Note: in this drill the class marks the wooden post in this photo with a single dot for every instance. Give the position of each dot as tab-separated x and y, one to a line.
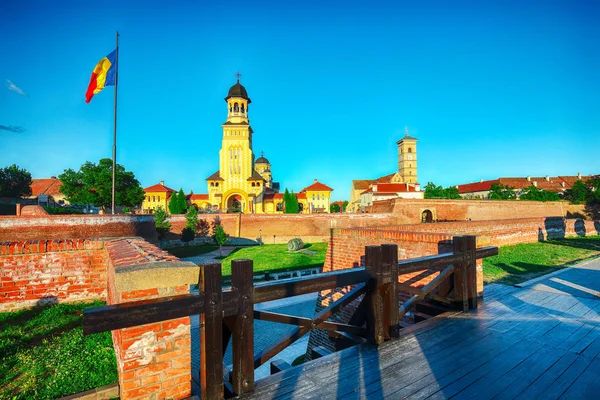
389	256
471	269
211	332
375	296
243	327
461	295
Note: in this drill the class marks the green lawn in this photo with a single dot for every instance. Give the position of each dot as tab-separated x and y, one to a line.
190	251
521	262
44	354
272	257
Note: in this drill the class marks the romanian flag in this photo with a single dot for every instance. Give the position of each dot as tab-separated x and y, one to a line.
104	75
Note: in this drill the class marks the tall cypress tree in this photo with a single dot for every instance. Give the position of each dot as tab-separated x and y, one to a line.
181	202
286	202
173	203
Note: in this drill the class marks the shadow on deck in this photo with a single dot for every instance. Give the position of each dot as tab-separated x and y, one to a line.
521	343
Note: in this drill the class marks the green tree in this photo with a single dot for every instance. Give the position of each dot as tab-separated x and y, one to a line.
578	193
451	193
286	201
173	203
344	205
536	194
294	208
191	219
92	184
499	191
181	202
161	221
14	182
593	186
215	222
220	237
334	208
432	191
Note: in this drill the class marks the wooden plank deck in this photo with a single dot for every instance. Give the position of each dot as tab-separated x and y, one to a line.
521	343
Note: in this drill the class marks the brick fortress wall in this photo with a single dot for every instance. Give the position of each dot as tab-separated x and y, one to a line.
76	227
48	271
153	360
409	211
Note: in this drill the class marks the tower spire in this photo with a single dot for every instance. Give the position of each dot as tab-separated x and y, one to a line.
406	130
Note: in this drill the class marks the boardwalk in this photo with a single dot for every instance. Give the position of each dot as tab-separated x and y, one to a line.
524	343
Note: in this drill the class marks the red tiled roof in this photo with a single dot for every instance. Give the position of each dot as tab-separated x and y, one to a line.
48	186
362	184
385	178
317	186
369	190
197	196
477	186
553	183
158	188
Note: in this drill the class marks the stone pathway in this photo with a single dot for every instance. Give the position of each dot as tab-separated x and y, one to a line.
209	258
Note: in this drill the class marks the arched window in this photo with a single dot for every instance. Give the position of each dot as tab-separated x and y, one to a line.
279	207
257	183
236	107
217	184
243	111
212	184
230	109
253	184
313	196
410	150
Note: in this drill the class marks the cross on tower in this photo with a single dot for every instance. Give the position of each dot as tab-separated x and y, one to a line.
238	75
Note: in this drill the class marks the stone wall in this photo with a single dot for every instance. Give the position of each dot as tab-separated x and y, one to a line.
76	227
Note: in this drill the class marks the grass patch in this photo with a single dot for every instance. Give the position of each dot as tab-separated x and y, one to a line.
190	251
273	257
45	355
521	262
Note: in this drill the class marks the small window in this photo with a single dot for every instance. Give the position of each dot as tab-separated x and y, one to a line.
410	150
243	111
253	184
279	207
313	196
257	183
217	184
236	107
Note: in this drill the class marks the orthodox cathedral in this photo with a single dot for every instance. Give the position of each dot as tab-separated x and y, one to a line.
243	183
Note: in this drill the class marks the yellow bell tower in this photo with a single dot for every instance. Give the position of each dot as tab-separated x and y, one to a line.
407	158
235	187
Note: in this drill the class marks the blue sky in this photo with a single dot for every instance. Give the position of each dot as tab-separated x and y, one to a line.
504	89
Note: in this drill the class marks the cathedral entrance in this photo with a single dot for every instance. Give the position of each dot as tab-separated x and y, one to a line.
234	204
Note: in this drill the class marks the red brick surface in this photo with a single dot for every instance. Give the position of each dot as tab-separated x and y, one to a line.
76	227
44	271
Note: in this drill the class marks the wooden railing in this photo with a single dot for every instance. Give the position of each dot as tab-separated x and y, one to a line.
229	314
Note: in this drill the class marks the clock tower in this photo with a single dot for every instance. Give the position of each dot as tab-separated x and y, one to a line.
407	158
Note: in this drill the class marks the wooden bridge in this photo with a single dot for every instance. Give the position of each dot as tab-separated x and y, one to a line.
520	343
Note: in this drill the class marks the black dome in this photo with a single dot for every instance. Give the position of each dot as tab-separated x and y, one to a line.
262	160
238	90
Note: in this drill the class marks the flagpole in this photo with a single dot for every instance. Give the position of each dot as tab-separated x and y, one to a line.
114	158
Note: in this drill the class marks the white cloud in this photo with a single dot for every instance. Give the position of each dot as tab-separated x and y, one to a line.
11	86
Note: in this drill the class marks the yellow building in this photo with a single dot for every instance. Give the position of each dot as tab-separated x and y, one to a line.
243	184
155	196
318	197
